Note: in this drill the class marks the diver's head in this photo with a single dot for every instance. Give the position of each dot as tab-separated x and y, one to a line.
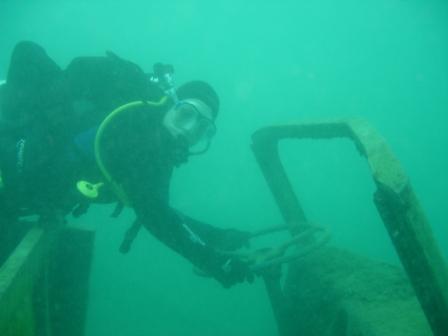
193	116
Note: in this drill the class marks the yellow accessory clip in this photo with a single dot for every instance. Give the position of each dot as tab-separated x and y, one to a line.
88	189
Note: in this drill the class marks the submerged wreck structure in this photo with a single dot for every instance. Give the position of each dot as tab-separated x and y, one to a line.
334	292
44	283
327	291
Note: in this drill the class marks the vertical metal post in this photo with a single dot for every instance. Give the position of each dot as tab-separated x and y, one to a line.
268	159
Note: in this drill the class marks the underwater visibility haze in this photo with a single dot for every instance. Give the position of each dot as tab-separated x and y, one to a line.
271	62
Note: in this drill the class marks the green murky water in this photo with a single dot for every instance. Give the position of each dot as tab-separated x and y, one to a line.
271	62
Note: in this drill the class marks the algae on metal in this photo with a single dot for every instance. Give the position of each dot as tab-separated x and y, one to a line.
335	292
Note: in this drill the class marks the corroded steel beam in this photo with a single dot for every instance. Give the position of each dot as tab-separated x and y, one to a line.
395	200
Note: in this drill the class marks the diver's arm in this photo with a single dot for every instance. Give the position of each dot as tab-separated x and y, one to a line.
184	235
168	226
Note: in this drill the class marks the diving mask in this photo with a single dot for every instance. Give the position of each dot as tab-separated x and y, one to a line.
193	120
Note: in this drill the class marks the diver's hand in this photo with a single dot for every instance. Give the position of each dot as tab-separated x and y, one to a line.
234	270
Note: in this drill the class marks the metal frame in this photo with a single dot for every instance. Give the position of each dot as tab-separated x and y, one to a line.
394	198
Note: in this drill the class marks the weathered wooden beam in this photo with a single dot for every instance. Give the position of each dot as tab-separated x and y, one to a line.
17	277
44	284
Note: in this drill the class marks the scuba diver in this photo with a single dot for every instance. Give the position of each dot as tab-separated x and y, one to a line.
103	131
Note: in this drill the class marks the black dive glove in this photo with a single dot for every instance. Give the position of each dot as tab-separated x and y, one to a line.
233	270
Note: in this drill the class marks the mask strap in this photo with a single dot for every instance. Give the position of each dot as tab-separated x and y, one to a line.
171	91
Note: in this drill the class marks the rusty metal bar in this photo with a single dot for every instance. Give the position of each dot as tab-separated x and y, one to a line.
397	204
265	148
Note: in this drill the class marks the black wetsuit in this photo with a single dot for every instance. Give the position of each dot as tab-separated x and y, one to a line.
140	154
